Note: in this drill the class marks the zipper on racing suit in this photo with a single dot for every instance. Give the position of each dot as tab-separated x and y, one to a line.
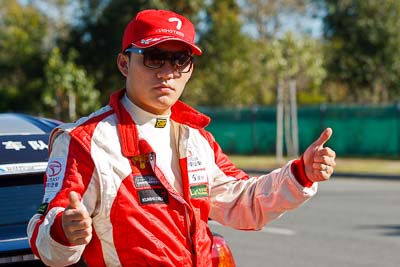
188	226
189	229
186	204
189	233
187	213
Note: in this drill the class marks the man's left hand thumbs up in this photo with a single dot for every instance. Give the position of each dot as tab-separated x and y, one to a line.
319	161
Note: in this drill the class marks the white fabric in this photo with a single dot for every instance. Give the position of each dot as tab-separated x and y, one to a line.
162	140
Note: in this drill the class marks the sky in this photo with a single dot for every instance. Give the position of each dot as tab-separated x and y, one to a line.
308	24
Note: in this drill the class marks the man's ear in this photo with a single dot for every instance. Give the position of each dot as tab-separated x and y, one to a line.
123	63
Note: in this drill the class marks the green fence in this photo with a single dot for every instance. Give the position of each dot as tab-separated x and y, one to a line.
371	131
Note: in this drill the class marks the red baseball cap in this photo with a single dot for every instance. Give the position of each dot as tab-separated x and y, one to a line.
151	27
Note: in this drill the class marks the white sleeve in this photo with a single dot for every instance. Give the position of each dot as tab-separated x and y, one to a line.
50	251
251	203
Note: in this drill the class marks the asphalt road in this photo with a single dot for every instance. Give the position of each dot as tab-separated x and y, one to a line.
349	223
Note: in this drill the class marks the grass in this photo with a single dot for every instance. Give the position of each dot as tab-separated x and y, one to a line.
343	165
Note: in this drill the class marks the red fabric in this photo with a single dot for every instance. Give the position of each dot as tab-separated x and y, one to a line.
151	27
32	241
185	114
57	231
126	126
298	171
93	253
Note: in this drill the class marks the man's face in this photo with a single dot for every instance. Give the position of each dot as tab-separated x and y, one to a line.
154	89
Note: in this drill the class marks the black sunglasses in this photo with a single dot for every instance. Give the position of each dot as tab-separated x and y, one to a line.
155	58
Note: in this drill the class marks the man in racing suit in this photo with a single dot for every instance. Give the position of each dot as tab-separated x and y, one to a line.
134	183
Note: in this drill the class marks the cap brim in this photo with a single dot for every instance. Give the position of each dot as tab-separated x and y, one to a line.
158	40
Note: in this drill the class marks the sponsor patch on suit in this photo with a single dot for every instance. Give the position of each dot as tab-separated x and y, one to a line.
153	196
146	181
197	191
160	123
141	162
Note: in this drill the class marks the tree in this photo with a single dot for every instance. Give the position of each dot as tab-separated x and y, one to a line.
58	15
21	40
223	73
69	92
299	59
363	51
294	66
267	16
98	35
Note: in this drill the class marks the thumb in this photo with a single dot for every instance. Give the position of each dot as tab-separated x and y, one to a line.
324	137
74	200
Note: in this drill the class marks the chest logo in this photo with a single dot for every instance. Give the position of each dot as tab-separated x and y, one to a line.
160	123
140	161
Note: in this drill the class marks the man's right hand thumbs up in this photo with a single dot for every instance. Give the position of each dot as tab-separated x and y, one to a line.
76	221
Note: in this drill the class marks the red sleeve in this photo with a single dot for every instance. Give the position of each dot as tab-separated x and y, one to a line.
57	231
298	171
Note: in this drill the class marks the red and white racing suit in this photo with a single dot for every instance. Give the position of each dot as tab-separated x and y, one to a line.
138	218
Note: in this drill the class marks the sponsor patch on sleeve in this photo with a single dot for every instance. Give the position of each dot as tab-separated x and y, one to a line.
55	175
43	208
